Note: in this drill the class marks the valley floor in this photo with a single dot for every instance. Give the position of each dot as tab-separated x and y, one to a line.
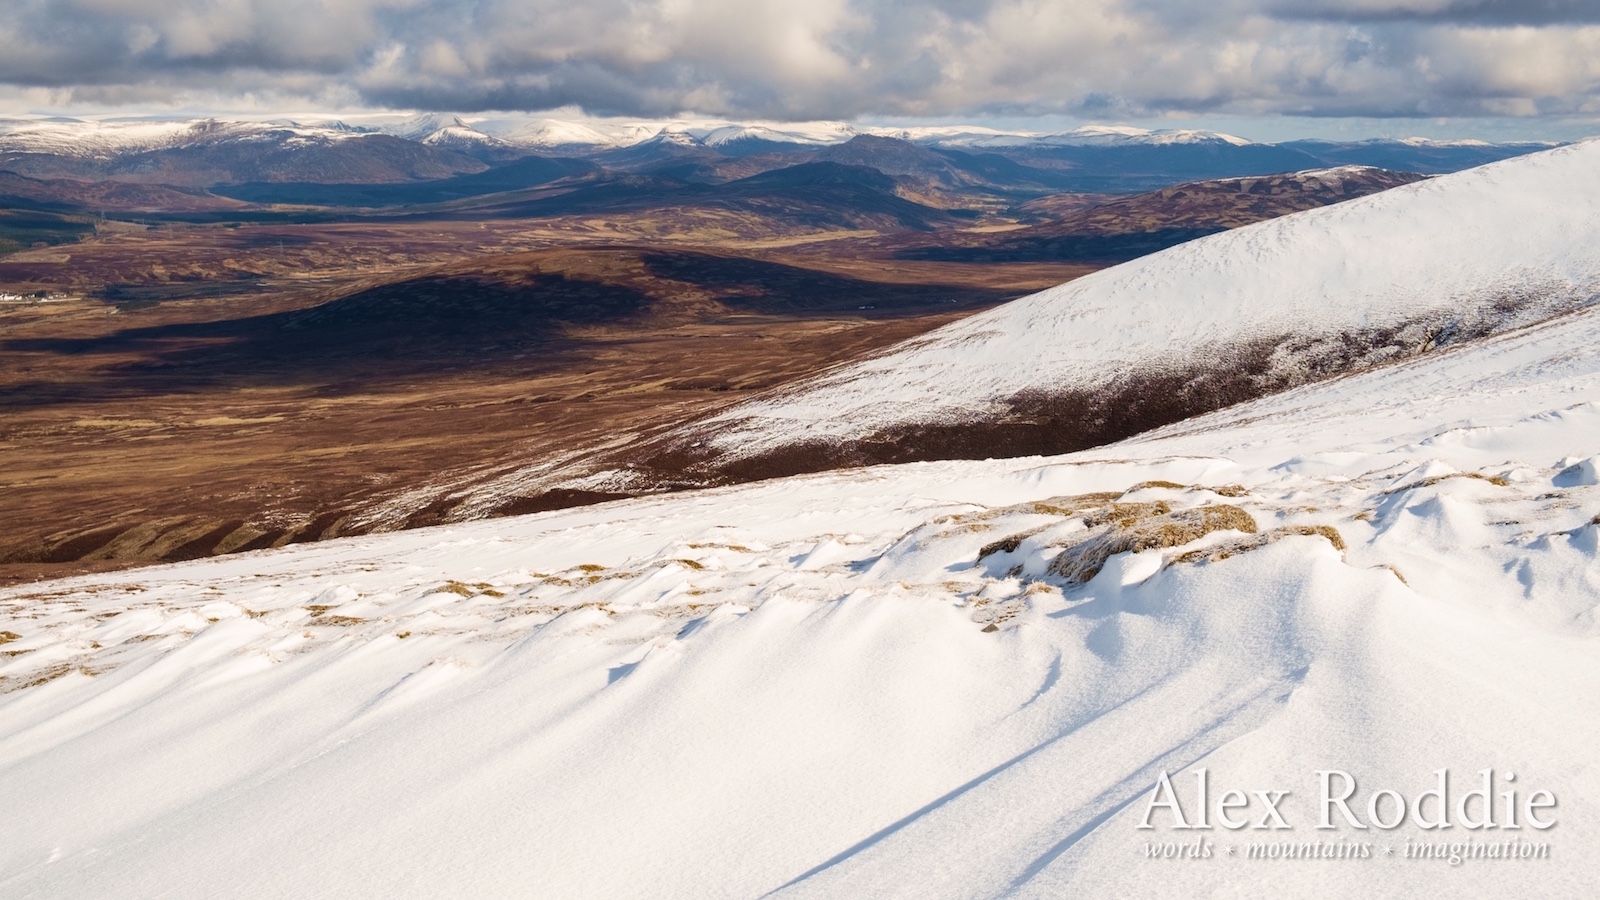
937	679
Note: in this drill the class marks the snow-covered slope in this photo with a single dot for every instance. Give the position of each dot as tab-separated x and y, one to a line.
554	133
443	130
1229	316
873	683
727	135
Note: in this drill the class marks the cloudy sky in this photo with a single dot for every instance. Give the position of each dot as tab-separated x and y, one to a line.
1263	68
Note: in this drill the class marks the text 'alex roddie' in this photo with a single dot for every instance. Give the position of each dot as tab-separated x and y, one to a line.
1494	802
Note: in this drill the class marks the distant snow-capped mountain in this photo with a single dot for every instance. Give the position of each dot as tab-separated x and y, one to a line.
560	134
204	152
88	136
84	137
1088	135
1092	158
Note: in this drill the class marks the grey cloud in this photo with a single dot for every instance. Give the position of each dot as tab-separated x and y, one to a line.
826	58
1456	12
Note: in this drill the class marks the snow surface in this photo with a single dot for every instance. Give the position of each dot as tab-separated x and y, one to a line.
1492	247
789	686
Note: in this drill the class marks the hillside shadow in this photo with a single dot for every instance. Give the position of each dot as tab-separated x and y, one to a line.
395	331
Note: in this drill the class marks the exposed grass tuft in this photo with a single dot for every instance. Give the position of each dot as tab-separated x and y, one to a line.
1008	544
1496	480
1396	572
1131	527
1156	483
1256	542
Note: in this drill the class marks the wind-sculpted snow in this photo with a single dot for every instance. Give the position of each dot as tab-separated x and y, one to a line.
898	681
1208	323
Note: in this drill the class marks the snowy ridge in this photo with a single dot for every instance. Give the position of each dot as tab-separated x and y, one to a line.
101	138
729	134
1122	134
1331	174
1463	254
591	134
85	136
818	685
1086	136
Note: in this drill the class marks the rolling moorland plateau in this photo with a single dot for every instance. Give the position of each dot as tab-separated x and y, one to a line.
223	336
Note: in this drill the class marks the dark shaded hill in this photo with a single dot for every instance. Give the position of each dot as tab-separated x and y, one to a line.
815	195
942	168
496	308
1123	228
531	171
1121	168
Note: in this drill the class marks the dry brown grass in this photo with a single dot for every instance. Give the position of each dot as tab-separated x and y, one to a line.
340	620
1068	505
42	676
462	589
1255	542
1008	544
1131	527
1126	515
1156	483
7	637
1230	490
1496	480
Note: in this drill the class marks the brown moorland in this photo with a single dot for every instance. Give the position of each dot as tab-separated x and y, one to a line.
192	389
